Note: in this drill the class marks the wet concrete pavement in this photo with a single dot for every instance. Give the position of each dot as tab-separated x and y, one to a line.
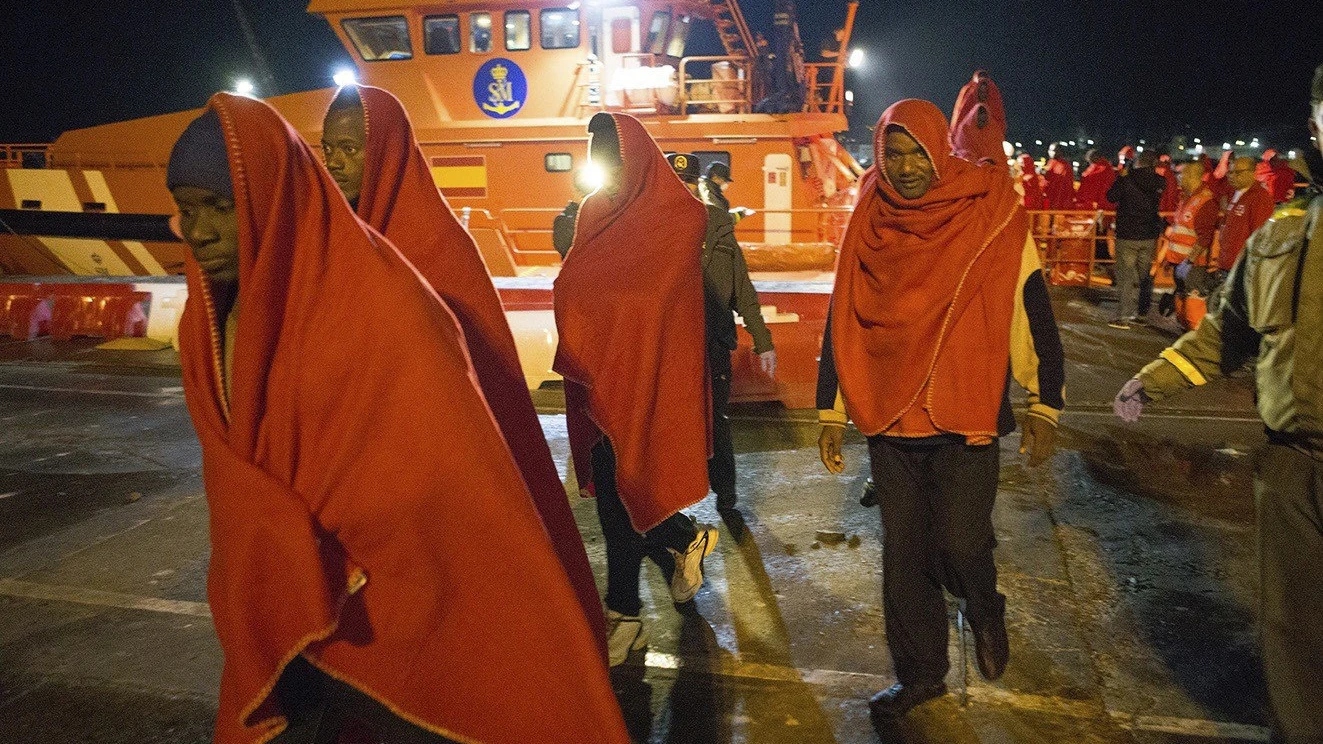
1128	562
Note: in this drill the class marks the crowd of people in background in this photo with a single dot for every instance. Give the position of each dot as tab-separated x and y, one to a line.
1199	213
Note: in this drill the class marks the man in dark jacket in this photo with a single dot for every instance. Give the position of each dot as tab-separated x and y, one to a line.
1136	193
562	229
726	287
1271	311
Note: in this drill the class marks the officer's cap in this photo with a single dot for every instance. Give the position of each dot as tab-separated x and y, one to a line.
719	169
685	166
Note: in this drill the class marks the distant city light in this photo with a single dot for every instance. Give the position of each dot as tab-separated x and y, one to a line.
1199	149
244	87
1038	142
1196	140
1090	142
1139	149
1072	143
1017	144
1142	142
344	77
1240	143
1226	145
849	96
856	58
1290	155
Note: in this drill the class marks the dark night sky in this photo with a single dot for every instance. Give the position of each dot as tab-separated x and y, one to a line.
1110	69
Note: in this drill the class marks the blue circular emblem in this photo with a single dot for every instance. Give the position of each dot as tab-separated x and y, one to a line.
500	88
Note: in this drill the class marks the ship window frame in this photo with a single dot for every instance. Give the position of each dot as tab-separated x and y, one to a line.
528	29
427	34
546	162
657	37
681	25
542	26
351	28
708	157
491	36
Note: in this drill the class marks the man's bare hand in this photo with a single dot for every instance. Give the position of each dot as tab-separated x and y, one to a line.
829	447
1039	439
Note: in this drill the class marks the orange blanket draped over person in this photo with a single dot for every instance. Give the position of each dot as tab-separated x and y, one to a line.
1031	181
921	311
365	511
1059	184
978	122
629	311
400	200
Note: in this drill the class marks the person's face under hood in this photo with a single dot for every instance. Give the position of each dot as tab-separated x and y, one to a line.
908	168
344	139
210	226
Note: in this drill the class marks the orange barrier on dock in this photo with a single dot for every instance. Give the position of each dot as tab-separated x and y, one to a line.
65	310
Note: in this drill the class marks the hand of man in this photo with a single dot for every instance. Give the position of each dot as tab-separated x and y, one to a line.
1039	439
1129	403
1182	269
767	360
829	447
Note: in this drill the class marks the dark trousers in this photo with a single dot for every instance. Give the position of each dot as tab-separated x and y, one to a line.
625	548
721	468
936	502
1288	490
320	708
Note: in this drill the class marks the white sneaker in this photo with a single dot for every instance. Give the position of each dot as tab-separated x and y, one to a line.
688	576
624	633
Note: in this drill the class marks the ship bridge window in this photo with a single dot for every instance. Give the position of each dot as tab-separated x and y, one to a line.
441	34
679	35
518	30
560	28
661	21
708	157
558	162
480	32
378	39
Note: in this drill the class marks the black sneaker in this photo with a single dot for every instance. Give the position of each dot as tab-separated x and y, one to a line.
992	649
899	699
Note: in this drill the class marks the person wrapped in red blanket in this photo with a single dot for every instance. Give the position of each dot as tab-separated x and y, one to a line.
372	154
376	556
630	315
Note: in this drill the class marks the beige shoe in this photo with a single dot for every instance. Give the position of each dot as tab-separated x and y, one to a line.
688	576
624	634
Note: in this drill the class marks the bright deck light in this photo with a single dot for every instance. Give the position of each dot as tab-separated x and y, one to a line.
244	87
593	175
856	58
344	77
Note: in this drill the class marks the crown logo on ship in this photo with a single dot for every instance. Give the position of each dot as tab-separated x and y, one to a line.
499	72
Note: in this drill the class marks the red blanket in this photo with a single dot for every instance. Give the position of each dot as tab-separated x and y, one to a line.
400	200
925	288
364	509
629	311
978	122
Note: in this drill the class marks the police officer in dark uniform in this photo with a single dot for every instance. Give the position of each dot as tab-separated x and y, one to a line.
727	288
562	228
712	190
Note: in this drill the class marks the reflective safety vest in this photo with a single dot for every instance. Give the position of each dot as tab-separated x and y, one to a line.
1181	235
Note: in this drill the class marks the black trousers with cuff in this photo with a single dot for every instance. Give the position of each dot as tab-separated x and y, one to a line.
320	708
936	498
625	548
721	468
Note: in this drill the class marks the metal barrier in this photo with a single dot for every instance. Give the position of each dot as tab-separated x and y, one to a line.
1071	243
42	156
740	83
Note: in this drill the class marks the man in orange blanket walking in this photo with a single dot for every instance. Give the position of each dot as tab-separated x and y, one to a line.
633	351
938	294
363	570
